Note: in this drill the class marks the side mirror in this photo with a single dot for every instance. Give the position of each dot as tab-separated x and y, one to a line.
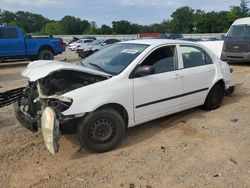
144	71
103	44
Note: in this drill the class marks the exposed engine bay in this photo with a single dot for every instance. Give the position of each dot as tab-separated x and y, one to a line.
66	80
30	101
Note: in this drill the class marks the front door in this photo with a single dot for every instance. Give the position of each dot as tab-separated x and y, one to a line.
158	94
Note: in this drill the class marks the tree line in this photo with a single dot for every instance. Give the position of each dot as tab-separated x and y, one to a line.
183	20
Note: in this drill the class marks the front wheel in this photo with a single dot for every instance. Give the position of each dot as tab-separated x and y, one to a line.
214	97
46	55
101	131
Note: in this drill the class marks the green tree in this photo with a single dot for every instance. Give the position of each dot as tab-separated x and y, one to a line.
6	17
30	22
105	29
53	28
121	27
182	21
74	25
238	11
244	8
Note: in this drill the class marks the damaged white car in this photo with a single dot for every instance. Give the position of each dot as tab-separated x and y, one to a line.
121	86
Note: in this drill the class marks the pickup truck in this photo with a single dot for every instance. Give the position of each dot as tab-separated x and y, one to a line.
14	45
236	46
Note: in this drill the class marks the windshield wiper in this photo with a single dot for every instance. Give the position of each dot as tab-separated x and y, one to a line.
97	66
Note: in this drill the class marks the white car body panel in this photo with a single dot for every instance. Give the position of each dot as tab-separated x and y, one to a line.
39	69
214	46
241	21
131	93
79	44
82	46
153	88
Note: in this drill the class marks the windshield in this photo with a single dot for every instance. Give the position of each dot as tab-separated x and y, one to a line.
96	42
114	59
239	31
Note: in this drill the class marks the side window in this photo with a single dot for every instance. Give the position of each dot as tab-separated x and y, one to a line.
110	41
163	59
193	56
9	33
88	41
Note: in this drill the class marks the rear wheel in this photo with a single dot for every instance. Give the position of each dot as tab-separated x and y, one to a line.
102	130
214	97
46	55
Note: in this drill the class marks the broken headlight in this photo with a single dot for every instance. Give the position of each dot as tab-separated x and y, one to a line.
59	105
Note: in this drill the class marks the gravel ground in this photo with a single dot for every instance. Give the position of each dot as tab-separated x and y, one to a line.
193	148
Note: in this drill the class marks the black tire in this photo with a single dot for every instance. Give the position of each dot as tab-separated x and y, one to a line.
101	131
214	97
46	55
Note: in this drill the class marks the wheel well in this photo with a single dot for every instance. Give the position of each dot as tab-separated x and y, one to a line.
46	48
119	108
221	83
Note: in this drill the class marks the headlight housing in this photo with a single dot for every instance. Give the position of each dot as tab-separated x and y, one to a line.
50	130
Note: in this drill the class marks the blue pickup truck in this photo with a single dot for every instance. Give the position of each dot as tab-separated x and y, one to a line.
13	45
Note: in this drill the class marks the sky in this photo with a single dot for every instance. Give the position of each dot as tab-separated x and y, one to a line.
105	11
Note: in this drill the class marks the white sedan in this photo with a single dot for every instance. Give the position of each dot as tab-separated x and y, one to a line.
121	86
82	43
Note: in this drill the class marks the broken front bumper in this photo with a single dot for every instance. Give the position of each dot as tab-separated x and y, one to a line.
11	96
28	122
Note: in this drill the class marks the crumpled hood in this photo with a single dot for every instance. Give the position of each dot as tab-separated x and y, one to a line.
39	69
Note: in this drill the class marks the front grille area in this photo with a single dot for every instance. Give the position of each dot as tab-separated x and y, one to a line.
236	47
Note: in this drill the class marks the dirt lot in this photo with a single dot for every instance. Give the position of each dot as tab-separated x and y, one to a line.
190	149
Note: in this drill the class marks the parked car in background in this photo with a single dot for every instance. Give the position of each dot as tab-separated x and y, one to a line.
170	36
236	46
191	39
80	43
13	44
96	46
74	39
121	86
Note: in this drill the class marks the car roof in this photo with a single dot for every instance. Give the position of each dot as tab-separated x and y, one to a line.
242	21
157	41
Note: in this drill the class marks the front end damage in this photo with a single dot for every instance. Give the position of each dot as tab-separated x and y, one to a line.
41	104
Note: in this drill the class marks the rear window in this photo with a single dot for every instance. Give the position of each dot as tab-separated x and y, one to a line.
8	33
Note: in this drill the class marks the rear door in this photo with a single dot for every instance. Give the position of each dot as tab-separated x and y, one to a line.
158	94
198	75
11	43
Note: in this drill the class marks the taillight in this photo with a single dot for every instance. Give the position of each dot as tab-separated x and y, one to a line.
62	44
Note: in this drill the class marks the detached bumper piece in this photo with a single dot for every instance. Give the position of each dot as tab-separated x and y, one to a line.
11	96
28	122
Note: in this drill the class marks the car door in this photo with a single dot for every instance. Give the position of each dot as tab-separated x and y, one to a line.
158	94
198	74
11	44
